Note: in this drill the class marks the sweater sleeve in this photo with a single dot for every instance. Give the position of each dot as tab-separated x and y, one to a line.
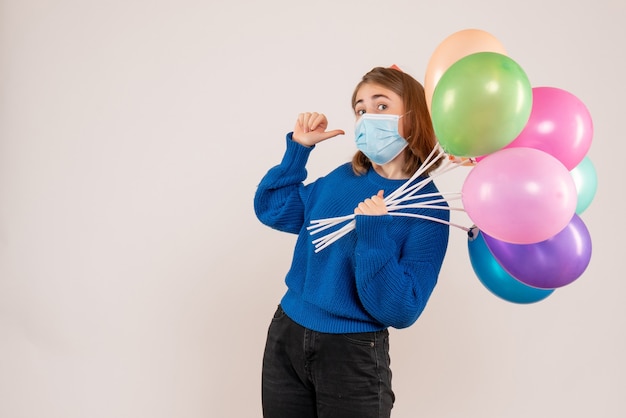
279	199
395	284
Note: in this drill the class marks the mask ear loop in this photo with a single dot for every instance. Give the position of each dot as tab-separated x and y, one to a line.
401	116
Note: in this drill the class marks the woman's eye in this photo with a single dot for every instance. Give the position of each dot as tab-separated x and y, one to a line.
360	112
382	106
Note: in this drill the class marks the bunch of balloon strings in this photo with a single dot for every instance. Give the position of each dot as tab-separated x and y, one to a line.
404	197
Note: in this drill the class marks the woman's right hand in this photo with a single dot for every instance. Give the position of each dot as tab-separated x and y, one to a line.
311	127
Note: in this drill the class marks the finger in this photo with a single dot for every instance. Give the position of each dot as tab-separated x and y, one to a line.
300	121
312	125
378	200
305	121
369	205
330	134
318	120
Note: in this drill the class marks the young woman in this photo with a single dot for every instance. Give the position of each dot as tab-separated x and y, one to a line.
327	350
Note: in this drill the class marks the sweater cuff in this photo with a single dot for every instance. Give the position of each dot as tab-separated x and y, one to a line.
296	154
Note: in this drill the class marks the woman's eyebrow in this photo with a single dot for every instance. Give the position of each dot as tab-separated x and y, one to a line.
374	97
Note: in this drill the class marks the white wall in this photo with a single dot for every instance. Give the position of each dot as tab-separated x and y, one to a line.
135	280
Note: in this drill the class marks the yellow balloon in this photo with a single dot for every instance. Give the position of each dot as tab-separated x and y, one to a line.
452	49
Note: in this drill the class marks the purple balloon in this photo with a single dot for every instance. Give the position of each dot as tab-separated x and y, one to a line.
548	264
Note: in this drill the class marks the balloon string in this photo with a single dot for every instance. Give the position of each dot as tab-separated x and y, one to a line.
428	162
423	206
323	224
454	196
406	192
326	240
430	218
410	191
341	231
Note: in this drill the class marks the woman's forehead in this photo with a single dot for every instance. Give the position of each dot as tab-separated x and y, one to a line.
371	91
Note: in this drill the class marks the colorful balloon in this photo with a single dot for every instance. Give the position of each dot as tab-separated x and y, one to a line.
586	181
495	278
519	195
481	104
559	124
456	46
549	264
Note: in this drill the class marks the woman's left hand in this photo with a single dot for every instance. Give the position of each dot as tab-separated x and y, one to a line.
374	206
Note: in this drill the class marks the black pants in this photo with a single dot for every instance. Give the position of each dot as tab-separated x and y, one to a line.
310	374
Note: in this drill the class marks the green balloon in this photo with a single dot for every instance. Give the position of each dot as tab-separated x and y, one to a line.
480	104
586	182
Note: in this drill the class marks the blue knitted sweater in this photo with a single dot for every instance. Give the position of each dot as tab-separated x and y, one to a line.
379	275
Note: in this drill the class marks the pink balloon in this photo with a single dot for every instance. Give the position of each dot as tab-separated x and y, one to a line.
519	195
559	124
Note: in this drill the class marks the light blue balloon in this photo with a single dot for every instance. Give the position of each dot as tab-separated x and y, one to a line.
586	182
493	276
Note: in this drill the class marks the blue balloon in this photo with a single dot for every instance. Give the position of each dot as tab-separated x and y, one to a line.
495	278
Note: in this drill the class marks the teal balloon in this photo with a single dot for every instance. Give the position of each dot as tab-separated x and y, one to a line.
480	104
586	182
493	276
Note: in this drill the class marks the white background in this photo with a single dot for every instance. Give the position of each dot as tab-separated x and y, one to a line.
135	280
